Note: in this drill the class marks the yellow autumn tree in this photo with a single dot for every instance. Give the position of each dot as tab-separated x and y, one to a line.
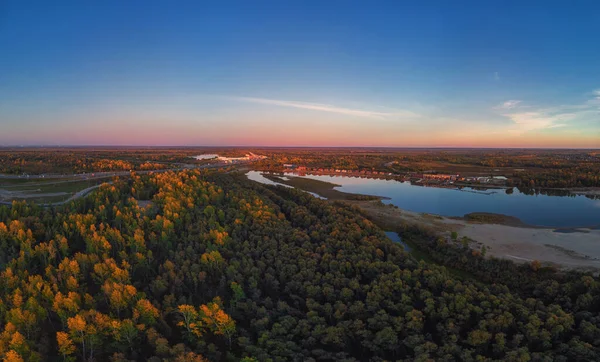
215	318
209	317
145	312
119	295
65	345
190	319
189	357
87	333
12	356
66	306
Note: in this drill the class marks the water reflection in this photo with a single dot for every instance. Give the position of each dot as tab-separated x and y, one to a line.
534	207
258	177
393	236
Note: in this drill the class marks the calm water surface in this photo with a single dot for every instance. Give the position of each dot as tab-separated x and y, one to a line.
393	236
542	210
258	177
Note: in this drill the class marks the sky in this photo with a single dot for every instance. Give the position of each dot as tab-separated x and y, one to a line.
300	73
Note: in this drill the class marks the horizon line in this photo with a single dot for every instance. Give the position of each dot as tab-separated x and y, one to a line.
258	146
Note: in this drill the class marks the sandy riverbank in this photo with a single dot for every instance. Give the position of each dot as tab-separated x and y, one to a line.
503	236
576	249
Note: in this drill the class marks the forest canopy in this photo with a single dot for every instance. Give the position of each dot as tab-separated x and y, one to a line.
195	266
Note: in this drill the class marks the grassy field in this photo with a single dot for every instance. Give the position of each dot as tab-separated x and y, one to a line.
490	218
56	186
48	199
10	182
70	187
46	191
39	200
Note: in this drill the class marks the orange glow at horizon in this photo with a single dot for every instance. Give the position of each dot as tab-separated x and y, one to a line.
280	130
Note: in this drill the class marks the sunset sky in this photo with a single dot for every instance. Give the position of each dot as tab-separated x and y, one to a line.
301	73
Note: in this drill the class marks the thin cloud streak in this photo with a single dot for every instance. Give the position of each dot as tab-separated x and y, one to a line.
508	104
327	108
531	121
547	118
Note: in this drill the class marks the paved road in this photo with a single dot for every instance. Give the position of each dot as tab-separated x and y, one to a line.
77	195
98	175
94	175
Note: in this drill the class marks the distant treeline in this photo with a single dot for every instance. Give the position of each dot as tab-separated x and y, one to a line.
540	168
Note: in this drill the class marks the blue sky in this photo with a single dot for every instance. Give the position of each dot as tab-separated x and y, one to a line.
327	73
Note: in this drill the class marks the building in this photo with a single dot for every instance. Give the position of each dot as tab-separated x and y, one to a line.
249	157
440	177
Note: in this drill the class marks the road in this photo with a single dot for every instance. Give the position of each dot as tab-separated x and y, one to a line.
97	175
77	195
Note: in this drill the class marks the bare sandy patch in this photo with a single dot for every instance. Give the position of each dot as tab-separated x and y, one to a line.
578	249
573	250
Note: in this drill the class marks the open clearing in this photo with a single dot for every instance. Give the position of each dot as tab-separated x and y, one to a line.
46	192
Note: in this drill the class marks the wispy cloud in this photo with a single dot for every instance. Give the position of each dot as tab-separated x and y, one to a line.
548	118
508	104
531	121
558	125
496	76
327	108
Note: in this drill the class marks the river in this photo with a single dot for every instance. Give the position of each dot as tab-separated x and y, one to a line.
540	210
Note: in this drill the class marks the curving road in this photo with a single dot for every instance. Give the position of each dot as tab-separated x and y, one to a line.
97	175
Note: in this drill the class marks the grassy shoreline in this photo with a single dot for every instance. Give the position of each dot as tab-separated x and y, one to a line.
327	189
322	188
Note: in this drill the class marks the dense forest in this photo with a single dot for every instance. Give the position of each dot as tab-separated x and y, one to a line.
35	161
526	169
195	266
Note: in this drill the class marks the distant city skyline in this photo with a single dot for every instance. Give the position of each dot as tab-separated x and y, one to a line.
340	74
